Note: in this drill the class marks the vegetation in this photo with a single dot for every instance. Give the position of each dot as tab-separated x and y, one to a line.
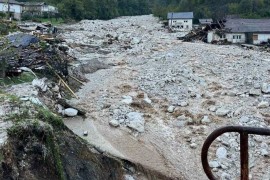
215	8
104	9
99	9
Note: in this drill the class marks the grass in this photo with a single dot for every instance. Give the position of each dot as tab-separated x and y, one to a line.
47	116
23	78
53	21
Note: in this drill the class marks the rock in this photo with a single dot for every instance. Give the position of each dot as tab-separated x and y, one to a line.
85	133
135	121
264	152
214	164
206	120
212	108
222	112
36	101
221	153
265	88
184	104
56	88
127	99
135	40
238	111
193	145
255	92
244	119
171	109
60	108
225	176
128	177
40	83
147	101
114	123
71	112
263	104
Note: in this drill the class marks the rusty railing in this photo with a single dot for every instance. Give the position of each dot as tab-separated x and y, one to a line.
244	132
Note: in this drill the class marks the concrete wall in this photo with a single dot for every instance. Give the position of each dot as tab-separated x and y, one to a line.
211	36
261	38
181	24
14	8
234	37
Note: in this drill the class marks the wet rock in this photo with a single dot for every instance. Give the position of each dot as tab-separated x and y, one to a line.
221	153
263	104
222	112
135	121
71	112
114	123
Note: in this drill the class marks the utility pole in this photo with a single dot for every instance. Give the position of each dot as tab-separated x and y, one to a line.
8	9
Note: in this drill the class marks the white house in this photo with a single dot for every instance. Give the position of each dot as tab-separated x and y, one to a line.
252	31
180	21
15	8
39	8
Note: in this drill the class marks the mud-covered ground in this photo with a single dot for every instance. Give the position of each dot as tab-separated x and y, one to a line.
159	98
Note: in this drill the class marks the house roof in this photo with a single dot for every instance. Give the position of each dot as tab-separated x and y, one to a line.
180	15
248	25
11	2
205	21
34	3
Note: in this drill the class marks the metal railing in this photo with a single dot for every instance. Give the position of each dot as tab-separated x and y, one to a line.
244	132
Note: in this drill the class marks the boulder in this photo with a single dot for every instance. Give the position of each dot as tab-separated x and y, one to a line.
221	153
171	109
114	123
222	112
263	104
265	88
135	121
71	112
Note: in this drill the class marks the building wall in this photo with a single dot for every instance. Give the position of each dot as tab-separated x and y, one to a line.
236	37
16	9
180	24
260	38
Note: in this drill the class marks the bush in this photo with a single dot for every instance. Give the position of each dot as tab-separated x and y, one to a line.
2	15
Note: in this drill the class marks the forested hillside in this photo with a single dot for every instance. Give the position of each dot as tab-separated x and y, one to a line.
98	9
107	9
215	8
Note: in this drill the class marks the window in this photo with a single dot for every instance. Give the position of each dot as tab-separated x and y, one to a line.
187	26
237	36
182	27
255	37
185	21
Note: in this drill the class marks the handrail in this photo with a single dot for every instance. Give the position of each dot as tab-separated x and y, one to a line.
244	132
